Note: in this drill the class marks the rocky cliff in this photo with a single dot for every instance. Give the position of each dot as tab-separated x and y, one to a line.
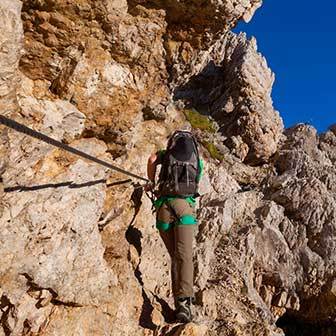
79	252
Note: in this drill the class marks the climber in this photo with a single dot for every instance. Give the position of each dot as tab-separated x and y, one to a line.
181	169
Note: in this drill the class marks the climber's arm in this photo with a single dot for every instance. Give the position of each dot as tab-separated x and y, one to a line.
151	167
154	160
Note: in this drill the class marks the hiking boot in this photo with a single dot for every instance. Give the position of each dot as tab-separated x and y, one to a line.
183	311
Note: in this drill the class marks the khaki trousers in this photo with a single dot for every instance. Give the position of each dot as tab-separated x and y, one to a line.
179	243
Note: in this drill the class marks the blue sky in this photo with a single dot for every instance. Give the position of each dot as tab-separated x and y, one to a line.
298	39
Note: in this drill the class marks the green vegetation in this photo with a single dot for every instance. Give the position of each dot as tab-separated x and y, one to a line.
205	124
213	151
199	121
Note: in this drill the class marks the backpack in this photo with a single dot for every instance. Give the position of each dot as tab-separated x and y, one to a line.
180	169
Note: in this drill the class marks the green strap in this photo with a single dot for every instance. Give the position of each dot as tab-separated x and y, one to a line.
162	226
188	220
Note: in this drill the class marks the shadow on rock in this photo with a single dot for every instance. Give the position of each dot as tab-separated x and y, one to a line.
295	327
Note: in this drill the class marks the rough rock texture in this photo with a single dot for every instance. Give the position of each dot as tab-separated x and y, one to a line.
305	189
232	83
108	63
79	251
196	22
11	35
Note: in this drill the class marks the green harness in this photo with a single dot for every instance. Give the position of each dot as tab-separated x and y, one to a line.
184	220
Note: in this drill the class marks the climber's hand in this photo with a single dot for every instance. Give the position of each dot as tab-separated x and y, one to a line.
149	186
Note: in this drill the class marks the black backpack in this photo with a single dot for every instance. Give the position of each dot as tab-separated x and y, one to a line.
180	169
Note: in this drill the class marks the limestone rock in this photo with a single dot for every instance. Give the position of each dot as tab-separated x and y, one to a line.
79	249
11	36
232	82
307	194
191	329
196	23
108	63
277	253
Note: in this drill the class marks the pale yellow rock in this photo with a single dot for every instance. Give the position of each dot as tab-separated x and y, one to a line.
80	254
157	317
333	288
281	300
191	329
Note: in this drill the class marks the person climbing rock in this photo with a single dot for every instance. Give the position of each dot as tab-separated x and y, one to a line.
181	169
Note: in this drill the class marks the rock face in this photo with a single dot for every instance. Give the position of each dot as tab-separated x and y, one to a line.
79	251
11	35
232	83
106	62
196	23
273	245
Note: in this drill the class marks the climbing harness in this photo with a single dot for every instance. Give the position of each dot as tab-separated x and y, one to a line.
37	135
